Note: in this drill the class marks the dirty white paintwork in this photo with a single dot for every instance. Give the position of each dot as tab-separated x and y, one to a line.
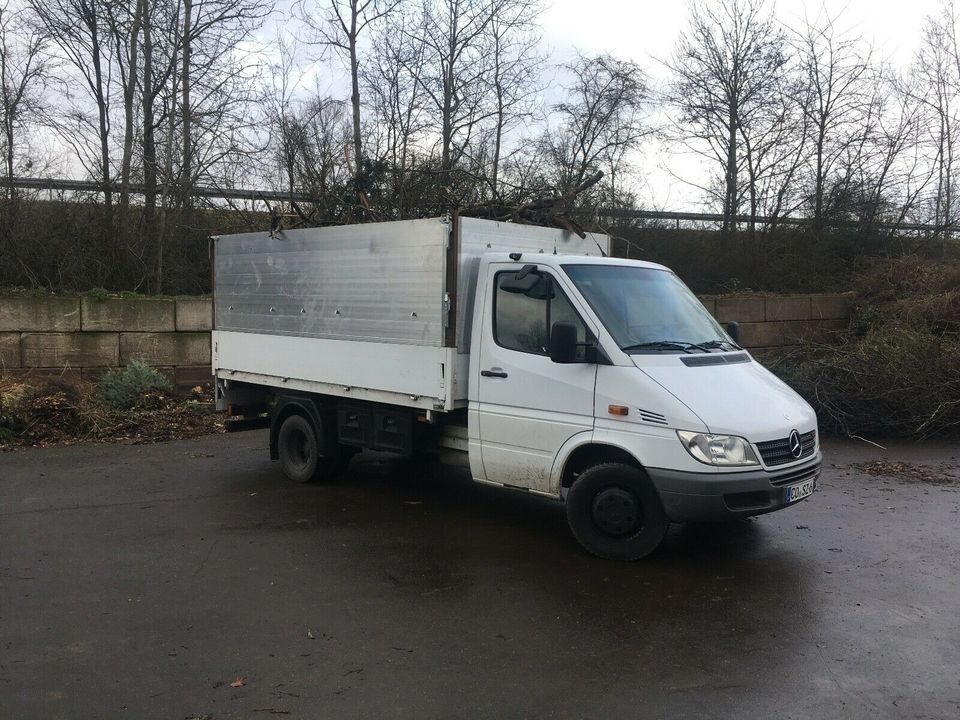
525	417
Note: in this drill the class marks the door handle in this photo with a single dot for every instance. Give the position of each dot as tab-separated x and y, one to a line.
493	373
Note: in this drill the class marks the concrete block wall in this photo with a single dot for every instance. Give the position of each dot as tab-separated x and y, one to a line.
775	321
82	337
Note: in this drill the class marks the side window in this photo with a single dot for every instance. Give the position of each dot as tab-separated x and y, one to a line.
522	321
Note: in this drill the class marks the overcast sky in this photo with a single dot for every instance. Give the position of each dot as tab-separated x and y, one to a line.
645	31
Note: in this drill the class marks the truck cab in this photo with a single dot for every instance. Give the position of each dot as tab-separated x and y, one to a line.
611	374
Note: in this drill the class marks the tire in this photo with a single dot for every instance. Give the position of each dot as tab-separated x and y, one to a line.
615	513
299	451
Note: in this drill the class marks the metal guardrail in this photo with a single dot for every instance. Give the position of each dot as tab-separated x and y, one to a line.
758	219
62	185
87	186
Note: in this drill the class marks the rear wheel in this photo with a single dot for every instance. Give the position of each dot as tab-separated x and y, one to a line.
615	512
300	451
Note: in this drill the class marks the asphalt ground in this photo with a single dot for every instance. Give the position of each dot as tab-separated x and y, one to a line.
191	580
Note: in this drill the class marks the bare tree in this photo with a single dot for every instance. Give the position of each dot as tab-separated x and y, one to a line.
514	75
79	30
340	27
723	67
23	79
600	123
936	86
125	24
454	36
836	70
773	147
392	80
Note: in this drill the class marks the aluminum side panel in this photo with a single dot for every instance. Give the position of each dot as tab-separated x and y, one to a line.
375	282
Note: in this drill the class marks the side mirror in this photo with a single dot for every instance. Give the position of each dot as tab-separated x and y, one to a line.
523	281
563	342
733	330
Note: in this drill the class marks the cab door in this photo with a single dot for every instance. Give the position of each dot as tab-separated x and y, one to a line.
529	406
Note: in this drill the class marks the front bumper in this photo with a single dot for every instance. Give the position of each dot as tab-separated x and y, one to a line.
689	496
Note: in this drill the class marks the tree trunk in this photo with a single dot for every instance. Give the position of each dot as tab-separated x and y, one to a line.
8	132
355	96
730	197
446	158
103	123
819	183
186	167
129	93
149	143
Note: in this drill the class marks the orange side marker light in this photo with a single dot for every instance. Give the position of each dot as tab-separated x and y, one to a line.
618	409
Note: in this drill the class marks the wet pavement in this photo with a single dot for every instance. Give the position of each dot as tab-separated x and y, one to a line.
143	581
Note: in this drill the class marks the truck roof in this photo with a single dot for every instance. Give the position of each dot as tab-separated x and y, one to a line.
552	259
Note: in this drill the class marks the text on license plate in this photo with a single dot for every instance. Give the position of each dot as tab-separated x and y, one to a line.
800	490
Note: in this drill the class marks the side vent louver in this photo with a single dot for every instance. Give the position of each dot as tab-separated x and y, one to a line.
651	417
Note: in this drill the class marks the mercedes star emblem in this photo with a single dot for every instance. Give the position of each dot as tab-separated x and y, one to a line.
796	447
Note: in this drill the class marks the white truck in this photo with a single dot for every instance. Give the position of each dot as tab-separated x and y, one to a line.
522	352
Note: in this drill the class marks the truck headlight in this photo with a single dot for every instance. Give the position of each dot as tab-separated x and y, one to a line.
718	449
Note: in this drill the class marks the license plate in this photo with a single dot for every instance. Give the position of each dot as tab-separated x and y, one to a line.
800	490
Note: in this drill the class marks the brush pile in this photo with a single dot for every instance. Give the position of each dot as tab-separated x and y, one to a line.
896	371
129	405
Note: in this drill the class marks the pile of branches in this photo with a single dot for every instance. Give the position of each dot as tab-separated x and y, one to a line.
548	211
896	371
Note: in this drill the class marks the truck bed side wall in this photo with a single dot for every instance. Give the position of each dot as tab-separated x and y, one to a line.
364	311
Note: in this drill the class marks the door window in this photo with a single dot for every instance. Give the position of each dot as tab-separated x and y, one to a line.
522	320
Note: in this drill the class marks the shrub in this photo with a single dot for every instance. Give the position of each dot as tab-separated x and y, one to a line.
896	372
891	381
126	387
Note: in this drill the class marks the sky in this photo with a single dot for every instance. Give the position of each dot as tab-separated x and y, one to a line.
645	31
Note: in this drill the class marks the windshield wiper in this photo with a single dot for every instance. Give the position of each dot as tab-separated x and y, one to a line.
711	344
666	345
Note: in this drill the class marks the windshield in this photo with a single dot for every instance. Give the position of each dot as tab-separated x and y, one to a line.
648	310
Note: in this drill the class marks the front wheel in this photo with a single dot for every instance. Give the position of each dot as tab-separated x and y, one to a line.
615	512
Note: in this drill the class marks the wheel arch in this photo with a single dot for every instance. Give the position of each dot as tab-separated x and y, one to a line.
580	453
287	405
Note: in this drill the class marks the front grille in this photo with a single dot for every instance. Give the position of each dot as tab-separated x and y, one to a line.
777	452
789	477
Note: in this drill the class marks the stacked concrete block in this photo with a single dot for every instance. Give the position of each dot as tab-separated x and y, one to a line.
86	336
741	308
80	349
9	350
194	314
38	314
120	314
774	321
